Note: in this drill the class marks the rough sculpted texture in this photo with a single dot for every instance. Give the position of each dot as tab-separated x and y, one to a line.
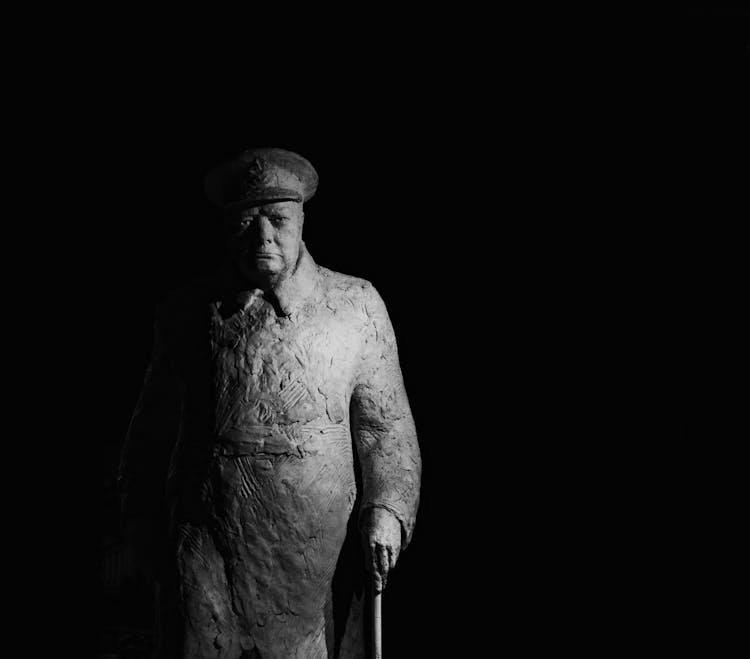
257	415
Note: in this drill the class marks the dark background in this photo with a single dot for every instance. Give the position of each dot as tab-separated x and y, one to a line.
529	194
405	202
379	213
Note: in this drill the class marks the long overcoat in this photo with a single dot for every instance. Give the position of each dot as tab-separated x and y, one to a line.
263	418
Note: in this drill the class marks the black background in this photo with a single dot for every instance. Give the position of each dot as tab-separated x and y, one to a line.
380	213
529	195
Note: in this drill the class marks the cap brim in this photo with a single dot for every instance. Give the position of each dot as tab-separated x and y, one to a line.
222	186
269	196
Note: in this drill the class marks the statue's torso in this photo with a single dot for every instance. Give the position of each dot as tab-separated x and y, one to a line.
265	466
271	369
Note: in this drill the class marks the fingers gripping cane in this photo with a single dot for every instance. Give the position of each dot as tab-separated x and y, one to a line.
377	624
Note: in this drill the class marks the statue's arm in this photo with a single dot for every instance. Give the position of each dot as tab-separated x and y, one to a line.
150	438
385	437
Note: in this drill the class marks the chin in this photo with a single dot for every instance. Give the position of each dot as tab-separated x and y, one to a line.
266	267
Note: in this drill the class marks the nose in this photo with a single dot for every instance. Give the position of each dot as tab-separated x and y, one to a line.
265	229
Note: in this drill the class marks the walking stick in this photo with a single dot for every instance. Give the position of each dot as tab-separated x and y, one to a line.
377	627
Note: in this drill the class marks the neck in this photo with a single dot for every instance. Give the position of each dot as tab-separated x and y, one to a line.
268	282
288	289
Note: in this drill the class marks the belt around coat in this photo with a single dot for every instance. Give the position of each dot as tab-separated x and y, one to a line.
295	439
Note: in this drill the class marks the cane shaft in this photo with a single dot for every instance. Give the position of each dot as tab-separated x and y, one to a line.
377	626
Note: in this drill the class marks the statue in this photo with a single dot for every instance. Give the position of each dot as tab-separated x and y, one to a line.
274	390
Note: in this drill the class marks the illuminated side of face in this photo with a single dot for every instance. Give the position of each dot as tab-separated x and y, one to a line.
265	241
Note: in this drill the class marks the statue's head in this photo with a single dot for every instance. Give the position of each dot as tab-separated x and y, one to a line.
262	192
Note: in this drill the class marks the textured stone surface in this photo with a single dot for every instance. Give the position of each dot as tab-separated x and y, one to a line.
259	410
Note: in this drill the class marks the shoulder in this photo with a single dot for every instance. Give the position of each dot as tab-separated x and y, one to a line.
351	290
332	280
358	296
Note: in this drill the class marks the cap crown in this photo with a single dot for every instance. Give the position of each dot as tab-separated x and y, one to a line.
260	176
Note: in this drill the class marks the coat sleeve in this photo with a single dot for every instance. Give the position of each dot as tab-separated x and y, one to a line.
151	435
382	423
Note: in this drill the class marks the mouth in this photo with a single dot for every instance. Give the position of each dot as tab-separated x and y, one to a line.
264	255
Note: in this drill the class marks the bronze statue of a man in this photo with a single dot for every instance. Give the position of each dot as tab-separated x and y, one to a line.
272	385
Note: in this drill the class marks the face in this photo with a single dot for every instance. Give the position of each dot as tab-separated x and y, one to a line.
265	241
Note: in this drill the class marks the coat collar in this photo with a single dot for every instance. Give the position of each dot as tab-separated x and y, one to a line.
290	294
